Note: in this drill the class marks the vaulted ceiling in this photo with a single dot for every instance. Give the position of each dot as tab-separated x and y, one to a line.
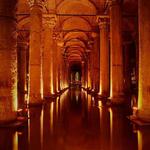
76	22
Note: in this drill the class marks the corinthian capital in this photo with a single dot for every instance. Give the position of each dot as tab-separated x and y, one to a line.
113	2
49	20
36	2
102	20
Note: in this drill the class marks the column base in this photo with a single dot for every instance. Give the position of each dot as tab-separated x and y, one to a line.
102	96
138	121
8	118
144	114
35	103
51	96
117	100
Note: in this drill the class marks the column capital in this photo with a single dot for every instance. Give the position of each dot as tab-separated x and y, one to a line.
113	2
39	3
102	21
23	44
49	20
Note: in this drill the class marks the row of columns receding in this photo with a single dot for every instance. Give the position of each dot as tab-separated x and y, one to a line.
42	77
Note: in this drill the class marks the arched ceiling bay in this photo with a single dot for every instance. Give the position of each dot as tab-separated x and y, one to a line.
76	23
83	7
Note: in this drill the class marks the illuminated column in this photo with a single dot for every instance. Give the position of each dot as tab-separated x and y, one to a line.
35	61
83	74
8	61
144	60
92	73
95	62
55	66
48	24
59	62
88	72
61	71
104	59
22	73
116	56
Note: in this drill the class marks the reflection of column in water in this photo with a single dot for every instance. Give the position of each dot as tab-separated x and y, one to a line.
104	127
35	129
117	130
51	116
46	126
143	136
89	102
41	121
15	141
111	124
57	107
140	142
8	139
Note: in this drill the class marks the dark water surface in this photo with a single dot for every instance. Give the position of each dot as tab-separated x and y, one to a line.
76	121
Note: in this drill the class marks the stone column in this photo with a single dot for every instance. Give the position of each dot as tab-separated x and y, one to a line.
61	71
8	61
55	66
116	54
22	73
104	58
35	52
83	74
96	62
144	60
59	62
48	25
88	72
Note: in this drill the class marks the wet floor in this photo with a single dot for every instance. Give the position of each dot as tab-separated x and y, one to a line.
76	121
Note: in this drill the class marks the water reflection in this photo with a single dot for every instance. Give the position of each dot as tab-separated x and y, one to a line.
75	121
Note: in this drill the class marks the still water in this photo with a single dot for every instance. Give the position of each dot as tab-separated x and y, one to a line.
76	121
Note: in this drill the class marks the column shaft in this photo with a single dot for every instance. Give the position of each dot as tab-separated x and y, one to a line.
35	62
104	60
8	61
22	73
116	56
144	60
47	62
